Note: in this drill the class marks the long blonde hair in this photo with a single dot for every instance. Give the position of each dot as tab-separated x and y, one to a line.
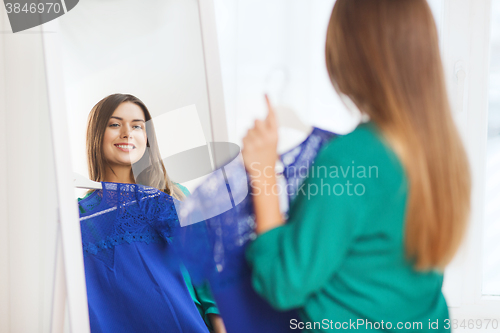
153	170
384	55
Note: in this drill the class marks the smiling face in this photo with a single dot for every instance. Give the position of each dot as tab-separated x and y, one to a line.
125	137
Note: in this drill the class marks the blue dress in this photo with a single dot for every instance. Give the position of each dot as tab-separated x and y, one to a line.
133	275
221	213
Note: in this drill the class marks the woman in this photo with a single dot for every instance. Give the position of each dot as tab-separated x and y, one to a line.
122	148
370	233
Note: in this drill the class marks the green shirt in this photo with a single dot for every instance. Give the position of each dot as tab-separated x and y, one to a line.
201	295
340	259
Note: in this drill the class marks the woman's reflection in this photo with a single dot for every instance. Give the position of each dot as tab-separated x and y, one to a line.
134	281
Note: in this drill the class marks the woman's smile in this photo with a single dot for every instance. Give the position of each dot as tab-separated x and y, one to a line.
125	146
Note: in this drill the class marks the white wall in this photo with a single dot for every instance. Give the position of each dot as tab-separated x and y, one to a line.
277	47
261	42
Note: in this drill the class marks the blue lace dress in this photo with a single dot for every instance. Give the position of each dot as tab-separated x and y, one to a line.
132	270
220	212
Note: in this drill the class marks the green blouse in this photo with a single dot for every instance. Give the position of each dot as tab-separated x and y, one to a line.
340	258
201	295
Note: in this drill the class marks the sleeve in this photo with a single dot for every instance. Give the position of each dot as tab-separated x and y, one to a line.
82	210
293	261
183	189
205	297
161	212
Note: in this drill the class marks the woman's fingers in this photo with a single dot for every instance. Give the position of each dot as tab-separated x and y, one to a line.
271	121
267	101
259	125
259	144
263	133
252	138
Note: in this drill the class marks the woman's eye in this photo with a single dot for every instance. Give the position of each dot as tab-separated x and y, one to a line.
138	126
114	125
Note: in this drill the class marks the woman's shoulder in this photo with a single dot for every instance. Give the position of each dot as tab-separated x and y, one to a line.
183	189
85	196
365	134
365	143
367	153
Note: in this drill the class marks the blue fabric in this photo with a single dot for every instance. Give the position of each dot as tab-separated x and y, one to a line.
132	271
201	294
223	201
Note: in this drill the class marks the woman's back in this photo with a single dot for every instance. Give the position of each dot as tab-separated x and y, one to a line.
343	254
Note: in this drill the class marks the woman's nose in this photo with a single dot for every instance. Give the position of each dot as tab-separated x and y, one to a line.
126	132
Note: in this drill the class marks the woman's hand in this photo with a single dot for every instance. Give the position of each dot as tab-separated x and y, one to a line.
217	323
260	145
259	155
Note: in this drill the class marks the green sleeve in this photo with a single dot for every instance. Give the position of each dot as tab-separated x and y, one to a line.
292	262
80	199
201	295
192	292
183	189
207	301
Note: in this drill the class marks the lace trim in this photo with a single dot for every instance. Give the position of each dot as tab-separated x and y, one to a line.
112	241
126	213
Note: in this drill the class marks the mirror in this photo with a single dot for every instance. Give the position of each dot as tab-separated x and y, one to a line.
150	49
164	53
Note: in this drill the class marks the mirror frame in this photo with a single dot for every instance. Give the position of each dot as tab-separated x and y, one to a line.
69	282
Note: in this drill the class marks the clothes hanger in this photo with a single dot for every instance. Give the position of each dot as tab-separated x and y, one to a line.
80	181
288	118
276	85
